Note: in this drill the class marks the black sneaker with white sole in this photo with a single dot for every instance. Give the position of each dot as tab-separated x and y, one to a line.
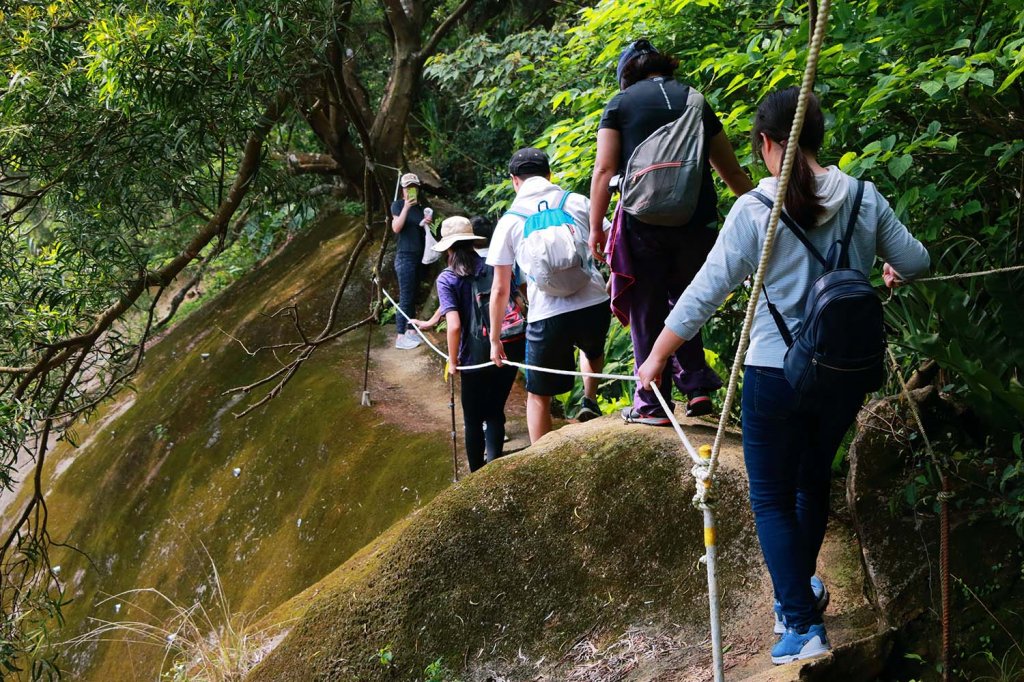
588	410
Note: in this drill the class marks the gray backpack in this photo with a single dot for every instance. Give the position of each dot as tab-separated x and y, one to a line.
663	176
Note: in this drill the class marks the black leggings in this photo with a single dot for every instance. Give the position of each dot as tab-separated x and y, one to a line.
484	392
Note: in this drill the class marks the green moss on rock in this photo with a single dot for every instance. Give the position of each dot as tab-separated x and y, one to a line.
592	527
320	476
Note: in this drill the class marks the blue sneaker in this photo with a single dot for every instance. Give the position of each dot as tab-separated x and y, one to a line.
796	646
821	596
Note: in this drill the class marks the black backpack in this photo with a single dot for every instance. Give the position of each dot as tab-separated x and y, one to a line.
513	327
840	347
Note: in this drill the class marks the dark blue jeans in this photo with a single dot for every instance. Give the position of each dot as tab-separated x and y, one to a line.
788	452
410	273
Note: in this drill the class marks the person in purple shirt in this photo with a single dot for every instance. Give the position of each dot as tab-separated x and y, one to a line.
484	390
658	261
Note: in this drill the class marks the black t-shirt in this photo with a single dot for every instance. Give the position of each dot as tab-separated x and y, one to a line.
412	238
647	105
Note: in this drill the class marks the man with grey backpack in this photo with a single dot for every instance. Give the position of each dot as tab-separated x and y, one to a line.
664	140
545	233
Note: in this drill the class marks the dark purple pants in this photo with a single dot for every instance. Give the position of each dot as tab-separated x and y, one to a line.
665	260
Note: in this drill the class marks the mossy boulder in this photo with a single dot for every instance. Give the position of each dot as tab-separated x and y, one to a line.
153	486
896	515
591	528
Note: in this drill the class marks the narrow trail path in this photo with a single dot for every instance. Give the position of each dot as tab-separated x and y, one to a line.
407	387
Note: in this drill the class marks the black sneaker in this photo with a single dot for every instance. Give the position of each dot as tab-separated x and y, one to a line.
588	410
699	404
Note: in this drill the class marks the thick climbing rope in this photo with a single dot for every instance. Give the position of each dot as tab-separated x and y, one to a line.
773	223
707	474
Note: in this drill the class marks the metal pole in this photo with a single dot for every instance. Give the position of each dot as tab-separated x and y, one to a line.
711	562
365	401
947	640
710	558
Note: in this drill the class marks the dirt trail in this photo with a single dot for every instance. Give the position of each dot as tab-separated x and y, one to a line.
407	388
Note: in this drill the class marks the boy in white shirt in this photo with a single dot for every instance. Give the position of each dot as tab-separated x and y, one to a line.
556	325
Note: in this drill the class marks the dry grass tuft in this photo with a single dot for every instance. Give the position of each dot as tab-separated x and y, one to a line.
200	643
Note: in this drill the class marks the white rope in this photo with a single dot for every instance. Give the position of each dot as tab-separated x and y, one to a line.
690	450
967	275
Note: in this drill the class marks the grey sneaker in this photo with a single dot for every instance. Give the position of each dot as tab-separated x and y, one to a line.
631	415
404	342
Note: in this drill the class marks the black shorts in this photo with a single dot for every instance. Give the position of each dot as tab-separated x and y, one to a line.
551	343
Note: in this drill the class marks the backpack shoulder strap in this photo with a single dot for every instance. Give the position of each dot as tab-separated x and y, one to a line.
797	231
844	250
517	214
780	323
565	197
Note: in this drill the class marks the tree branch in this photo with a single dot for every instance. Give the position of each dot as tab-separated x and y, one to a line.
247	171
444	28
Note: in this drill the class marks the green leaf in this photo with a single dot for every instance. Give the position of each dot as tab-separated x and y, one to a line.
985	76
971	207
846	159
957	79
931	87
898	165
1011	78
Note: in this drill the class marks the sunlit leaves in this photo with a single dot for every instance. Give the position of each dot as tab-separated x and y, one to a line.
923	99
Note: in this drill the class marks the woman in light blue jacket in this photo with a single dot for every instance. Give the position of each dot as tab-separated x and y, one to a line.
788	448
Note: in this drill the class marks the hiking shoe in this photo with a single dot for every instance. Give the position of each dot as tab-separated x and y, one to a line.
821	597
796	646
699	404
631	415
405	342
589	409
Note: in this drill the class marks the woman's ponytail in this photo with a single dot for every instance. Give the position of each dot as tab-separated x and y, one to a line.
775	119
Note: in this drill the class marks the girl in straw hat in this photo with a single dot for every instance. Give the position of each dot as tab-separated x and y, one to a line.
463	290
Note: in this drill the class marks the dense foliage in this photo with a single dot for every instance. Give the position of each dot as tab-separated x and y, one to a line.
143	146
920	98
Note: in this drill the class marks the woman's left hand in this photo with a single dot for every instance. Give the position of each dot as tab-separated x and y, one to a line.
891	278
452	368
650	372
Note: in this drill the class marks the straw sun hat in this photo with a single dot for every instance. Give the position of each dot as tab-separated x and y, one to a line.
455	229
